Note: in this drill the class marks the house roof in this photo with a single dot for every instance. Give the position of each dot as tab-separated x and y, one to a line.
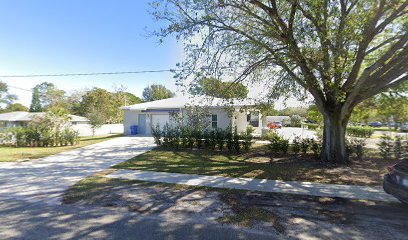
182	102
27	116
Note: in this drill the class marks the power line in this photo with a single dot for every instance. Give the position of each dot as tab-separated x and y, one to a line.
88	74
24	89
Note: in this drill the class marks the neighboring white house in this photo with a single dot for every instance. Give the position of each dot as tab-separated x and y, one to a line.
223	114
16	119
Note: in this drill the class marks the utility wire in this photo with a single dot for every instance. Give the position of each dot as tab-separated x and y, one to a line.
87	74
24	89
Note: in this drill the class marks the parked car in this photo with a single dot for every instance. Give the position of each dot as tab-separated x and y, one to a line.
404	127
274	125
396	181
374	124
393	124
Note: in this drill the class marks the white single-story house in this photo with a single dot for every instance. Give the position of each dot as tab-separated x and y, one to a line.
224	114
16	119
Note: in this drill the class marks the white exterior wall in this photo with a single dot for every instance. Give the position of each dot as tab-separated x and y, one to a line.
86	129
240	120
223	120
130	118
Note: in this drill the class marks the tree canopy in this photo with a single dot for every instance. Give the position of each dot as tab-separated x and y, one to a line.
15	107
156	92
341	52
5	96
105	105
35	102
216	88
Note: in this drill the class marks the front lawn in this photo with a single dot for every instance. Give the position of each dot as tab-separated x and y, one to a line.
258	164
12	154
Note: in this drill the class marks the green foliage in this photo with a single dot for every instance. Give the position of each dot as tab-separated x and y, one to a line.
247	138
312	126
342	53
398	148
267	109
290	111
364	111
157	134
314	114
216	88
385	146
393	104
356	147
316	147
295	121
156	92
296	145
35	102
220	138
15	107
47	131
96	119
5	96
305	145
361	132
278	144
230	141
236	141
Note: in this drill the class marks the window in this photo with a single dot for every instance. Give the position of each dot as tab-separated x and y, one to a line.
254	119
2	124
214	119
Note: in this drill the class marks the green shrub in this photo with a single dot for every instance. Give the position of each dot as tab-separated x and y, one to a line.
236	139
206	137
316	147
278	144
184	136
198	136
247	137
398	148
213	140
312	126
230	140
296	145
166	140
361	132
385	146
157	134
295	121
220	136
305	145
356	147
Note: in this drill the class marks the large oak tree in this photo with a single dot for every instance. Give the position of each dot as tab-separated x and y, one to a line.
341	52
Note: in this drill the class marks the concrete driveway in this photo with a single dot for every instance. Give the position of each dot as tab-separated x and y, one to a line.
44	180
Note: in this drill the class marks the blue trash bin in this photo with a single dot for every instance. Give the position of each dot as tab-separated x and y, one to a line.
133	130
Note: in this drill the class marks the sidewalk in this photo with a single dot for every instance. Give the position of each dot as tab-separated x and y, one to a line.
263	185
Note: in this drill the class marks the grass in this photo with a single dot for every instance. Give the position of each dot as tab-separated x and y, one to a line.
12	154
258	164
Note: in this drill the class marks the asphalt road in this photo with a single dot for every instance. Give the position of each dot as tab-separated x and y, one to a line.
24	220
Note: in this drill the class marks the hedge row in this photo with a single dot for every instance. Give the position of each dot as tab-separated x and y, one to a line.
31	136
362	132
212	139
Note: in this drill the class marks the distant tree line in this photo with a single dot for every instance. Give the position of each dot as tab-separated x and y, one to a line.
99	105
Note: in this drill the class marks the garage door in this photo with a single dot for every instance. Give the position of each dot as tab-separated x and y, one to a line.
160	119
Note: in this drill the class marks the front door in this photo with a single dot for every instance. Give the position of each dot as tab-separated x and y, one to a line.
142	124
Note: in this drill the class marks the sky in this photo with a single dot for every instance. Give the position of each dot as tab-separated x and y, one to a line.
83	36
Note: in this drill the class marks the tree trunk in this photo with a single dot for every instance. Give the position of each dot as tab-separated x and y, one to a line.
334	138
